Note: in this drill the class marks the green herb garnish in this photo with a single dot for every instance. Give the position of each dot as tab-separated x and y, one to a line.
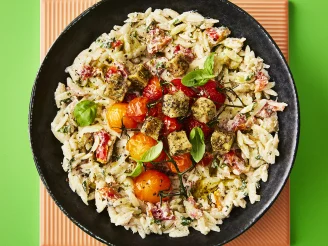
198	145
200	77
185	221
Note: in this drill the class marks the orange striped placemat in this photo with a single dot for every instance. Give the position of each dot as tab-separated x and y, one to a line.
57	230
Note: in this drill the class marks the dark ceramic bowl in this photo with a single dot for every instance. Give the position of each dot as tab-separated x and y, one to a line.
78	36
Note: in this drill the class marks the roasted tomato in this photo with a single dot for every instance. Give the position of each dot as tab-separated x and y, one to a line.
161	157
116	43
156	111
234	159
137	109
171	125
102	149
148	185
153	91
138	144
109	192
116	114
210	90
183	162
192	123
213	33
178	86
206	160
187	52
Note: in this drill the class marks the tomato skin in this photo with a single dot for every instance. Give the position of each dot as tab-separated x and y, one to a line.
156	111
161	157
116	113
148	184
171	125
138	144
153	91
137	109
183	162
102	149
206	160
210	90
129	96
116	43
178	86
192	123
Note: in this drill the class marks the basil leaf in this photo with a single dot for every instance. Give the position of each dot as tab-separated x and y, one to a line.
197	141
137	170
85	112
197	77
152	153
209	64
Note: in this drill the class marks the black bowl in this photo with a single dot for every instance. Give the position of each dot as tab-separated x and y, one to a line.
78	36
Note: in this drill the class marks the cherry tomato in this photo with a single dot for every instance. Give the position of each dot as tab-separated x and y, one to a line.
191	123
156	111
210	90
183	162
137	109
212	33
116	113
138	144
178	86
206	160
153	91
161	157
109	192
116	43
171	125
187	52
148	184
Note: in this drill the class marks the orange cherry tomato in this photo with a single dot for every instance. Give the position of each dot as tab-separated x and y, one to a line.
183	162
148	184
137	109
116	113
138	144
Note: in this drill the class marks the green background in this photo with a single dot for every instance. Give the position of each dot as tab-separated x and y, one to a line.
19	62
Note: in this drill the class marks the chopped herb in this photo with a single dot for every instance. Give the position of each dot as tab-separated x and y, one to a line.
185	221
66	101
176	21
85	186
64	129
258	157
243	185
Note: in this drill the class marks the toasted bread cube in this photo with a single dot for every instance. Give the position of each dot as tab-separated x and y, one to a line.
221	142
176	105
116	88
178	65
178	143
152	127
140	77
204	110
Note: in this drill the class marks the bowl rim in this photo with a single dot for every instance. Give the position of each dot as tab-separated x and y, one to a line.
269	203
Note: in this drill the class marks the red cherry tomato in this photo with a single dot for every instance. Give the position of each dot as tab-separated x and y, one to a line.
156	111
137	109
206	160
171	125
153	91
148	184
212	33
178	86
183	162
210	90
87	72
102	149
191	123
161	157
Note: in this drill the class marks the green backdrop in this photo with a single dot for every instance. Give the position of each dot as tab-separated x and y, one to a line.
19	42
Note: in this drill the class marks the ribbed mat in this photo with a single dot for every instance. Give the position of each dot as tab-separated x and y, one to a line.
57	230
